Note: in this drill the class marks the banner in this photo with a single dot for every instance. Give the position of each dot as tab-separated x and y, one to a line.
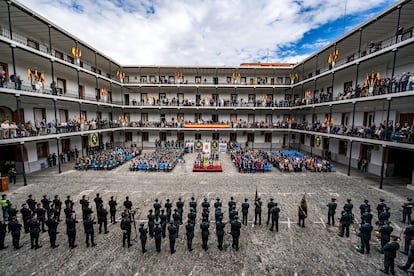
318	142
215	146
198	146
223	148
206	147
94	139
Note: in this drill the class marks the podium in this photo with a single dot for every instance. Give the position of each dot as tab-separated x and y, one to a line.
4	184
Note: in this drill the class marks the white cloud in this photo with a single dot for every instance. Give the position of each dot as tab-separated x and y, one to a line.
189	32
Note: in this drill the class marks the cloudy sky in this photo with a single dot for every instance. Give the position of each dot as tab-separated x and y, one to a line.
207	32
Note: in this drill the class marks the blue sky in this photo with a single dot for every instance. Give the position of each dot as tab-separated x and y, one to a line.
207	32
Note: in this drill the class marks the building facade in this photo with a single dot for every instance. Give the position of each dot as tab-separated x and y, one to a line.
352	101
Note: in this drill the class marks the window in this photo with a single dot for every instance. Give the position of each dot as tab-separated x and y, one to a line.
180	136
216	136
42	150
61	85
128	136
180	117
268	137
269	119
163	136
144	117
250	137
345	119
144	137
250	118
233	137
197	117
197	136
343	147
39	114
214	118
63	115
198	79
144	79
162	118
58	54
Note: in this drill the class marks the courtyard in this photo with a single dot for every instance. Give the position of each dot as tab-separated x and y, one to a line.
313	250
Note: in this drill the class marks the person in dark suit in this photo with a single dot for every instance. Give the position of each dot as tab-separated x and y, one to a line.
270	205
71	229
190	234
390	252
331	211
112	209
52	225
15	228
258	211
365	234
385	232
89	230
235	232
275	217
172	235
245	210
3	231
143	236
158	236
205	233
345	221
34	229
220	225
126	230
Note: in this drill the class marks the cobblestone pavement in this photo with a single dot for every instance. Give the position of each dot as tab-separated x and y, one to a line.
313	250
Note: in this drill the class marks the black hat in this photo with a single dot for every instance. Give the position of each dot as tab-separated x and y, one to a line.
366	200
205	199
168	199
218	199
381	199
349	200
409	198
271	199
333	199
156	200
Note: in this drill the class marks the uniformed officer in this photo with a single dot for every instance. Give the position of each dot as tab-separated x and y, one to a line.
367	216
275	217
217	204
128	203
89	230
365	233
331	211
410	259
409	234
205	204
15	228
245	210
102	214
220	225
348	206
52	225
219	213
71	229
84	204
172	235
385	232
231	203
258	211
31	203
345	220
233	213
384	215
143	236
270	205
158	236
364	207
41	216
3	231
235	232
34	229
68	211
180	209
190	234
151	223
177	219
302	212
26	215
157	208
192	215
98	201
204	233
12	210
126	230
193	204
168	207
68	202
163	221
45	203
407	209
390	252
380	206
112	209
58	206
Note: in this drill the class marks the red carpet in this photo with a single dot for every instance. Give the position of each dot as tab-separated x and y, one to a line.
208	169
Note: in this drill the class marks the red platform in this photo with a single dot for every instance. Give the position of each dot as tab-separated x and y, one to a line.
208	169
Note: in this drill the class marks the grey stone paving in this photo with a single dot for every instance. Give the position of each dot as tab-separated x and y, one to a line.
313	250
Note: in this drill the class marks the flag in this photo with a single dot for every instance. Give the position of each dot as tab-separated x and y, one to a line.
256	196
29	73
330	59
303	205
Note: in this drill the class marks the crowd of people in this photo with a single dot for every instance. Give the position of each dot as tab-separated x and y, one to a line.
204	160
293	161
107	159
249	161
163	158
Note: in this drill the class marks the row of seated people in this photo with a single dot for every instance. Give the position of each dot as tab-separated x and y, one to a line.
293	161
161	159
249	161
107	159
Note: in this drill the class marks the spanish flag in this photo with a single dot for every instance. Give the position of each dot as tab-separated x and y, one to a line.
29	73
336	54
330	59
42	78
366	80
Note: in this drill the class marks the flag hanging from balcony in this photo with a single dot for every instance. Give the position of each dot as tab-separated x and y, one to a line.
94	139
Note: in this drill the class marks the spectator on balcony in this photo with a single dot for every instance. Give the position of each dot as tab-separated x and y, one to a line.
404	81
411	82
17	81
399	34
2	78
5	127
